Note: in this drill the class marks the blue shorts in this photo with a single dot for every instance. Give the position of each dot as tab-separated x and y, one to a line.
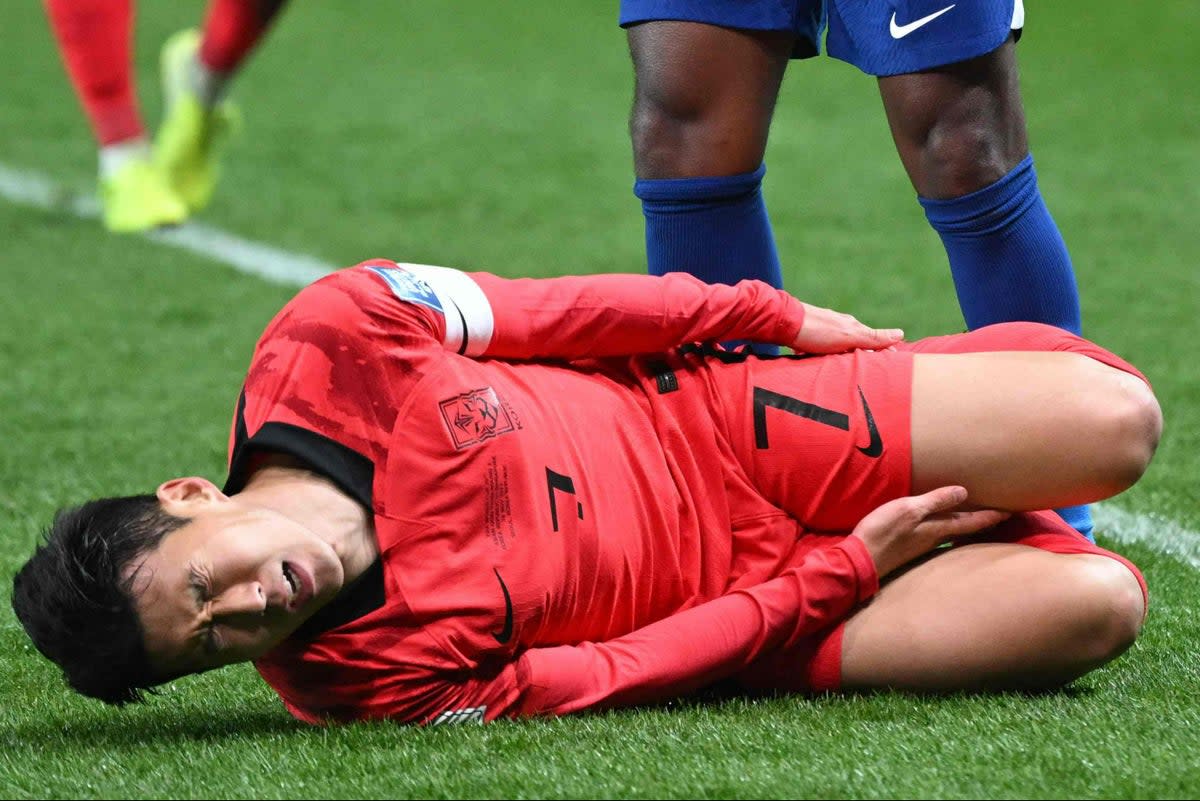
880	37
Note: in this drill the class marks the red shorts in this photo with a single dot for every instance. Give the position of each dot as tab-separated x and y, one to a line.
828	439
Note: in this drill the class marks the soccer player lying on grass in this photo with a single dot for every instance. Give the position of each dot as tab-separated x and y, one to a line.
453	496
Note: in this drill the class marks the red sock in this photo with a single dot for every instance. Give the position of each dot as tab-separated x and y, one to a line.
232	29
94	37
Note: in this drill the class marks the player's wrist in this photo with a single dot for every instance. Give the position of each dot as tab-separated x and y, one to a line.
791	321
866	570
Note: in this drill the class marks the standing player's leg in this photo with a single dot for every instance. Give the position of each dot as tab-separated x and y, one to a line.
950	89
703	101
95	39
197	69
960	131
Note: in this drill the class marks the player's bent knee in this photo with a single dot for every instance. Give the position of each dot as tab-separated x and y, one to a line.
1145	424
1116	418
1111	607
1133	428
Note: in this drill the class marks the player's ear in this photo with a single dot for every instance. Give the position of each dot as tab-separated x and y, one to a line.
189	494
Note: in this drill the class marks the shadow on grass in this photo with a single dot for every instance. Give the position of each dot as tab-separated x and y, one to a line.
118	728
158	724
730	698
1069	692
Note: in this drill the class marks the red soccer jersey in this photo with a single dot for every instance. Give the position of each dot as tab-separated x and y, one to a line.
559	522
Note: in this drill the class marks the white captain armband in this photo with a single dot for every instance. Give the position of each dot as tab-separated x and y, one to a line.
451	293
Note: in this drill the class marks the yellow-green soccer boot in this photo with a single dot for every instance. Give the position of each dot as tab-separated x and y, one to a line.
192	135
137	197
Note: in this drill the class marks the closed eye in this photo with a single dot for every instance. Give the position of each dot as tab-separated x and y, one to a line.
201	587
199	584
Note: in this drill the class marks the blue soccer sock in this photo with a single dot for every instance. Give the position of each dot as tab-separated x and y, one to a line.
1009	263
714	228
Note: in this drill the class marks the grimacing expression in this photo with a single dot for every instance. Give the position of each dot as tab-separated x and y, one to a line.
230	584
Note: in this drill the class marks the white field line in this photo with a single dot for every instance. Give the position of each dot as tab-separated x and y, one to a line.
278	266
1163	535
282	267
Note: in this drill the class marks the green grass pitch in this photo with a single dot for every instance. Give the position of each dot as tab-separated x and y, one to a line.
493	136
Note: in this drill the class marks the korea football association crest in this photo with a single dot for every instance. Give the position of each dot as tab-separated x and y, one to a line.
475	416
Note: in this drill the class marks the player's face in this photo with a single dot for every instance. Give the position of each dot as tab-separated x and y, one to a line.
230	584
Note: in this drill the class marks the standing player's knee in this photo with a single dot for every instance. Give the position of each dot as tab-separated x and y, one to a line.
682	136
658	127
659	108
687	130
1110	608
963	156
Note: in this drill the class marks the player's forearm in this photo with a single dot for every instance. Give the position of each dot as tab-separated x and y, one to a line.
616	315
702	645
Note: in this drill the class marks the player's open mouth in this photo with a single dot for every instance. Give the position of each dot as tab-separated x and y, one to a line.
300	584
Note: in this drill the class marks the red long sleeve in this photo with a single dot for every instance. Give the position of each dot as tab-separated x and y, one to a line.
575	317
617	315
702	645
665	659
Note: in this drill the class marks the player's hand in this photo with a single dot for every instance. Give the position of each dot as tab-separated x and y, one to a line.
827	331
901	530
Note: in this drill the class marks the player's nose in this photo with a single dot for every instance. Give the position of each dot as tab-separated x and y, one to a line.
246	598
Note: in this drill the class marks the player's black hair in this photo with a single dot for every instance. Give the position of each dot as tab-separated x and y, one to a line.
75	594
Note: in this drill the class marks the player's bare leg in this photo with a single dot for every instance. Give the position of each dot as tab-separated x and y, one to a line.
993	616
1017	430
960	127
1029	430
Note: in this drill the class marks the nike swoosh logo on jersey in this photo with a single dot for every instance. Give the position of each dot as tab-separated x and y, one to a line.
505	634
900	31
875	446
